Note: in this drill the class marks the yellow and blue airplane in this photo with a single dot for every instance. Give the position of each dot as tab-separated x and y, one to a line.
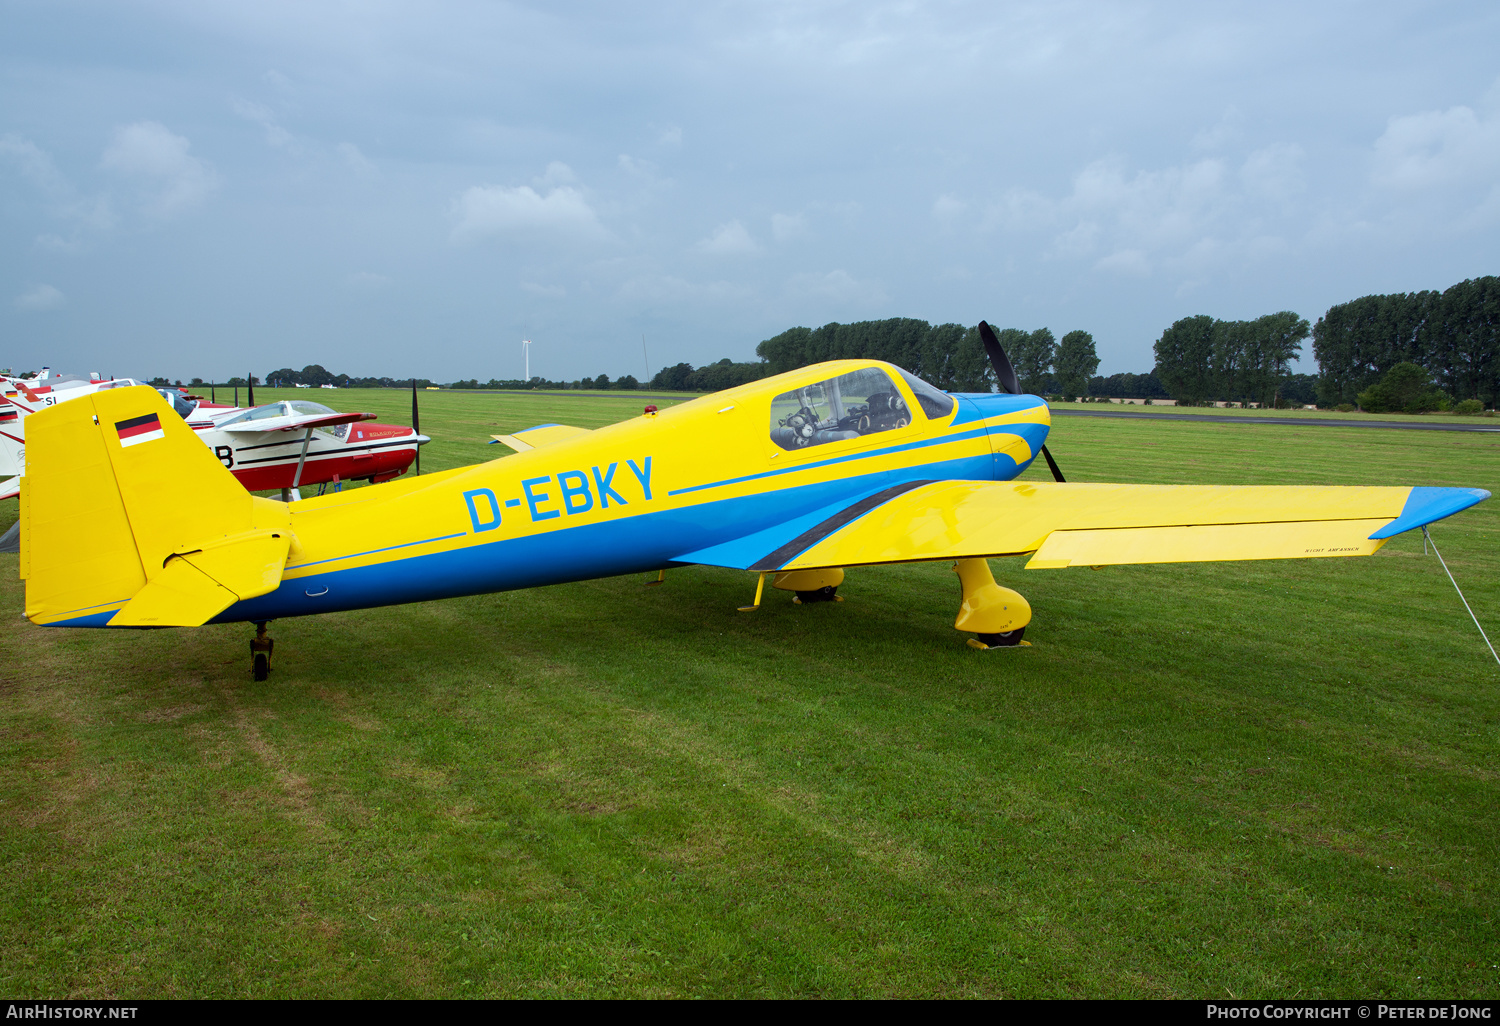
127	520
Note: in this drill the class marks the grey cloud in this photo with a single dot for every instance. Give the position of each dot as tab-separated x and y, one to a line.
837	285
561	214
36	167
729	239
1433	149
260	114
786	227
171	179
38	298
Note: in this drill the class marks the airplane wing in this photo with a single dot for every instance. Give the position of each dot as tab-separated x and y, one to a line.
1101	524
536	437
11	488
295	422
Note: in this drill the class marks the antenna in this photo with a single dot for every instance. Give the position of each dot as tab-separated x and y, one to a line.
526	349
647	358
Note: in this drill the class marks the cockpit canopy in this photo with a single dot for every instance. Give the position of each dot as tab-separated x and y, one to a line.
285	408
861	402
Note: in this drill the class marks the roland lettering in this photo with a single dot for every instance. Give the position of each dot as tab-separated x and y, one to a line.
643	476
575	486
533	499
483	519
603	487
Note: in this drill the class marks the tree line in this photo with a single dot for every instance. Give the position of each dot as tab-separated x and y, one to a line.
950	356
1453	335
1199	359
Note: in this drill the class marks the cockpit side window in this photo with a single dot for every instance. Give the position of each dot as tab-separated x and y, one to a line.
936	403
862	402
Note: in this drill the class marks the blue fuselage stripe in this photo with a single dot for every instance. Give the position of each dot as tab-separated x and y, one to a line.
872	453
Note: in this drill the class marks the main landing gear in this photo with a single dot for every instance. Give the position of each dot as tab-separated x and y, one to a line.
996	615
260	652
811	585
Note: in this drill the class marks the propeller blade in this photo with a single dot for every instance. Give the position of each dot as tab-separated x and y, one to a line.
1003	370
1052	464
1010	383
250	383
416	423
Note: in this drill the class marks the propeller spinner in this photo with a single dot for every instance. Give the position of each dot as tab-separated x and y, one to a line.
1006	374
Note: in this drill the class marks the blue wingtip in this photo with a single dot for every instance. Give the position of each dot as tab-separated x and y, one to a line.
1424	505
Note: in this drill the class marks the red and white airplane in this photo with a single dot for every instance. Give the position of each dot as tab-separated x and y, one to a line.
291	443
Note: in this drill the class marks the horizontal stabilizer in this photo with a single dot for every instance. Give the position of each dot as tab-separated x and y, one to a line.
536	437
180	596
195	587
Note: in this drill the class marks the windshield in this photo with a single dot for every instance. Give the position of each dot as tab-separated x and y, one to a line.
936	403
183	407
304	407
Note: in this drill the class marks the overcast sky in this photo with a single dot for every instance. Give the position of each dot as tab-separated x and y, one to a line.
384	188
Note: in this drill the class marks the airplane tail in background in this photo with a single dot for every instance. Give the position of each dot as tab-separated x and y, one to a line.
128	520
12	442
12	455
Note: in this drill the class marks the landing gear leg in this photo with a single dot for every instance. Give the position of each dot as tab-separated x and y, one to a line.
760	586
997	615
260	652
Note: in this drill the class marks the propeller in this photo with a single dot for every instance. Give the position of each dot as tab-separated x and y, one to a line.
1010	383
416	423
250	384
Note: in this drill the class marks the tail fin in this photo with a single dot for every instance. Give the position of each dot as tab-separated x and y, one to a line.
128	520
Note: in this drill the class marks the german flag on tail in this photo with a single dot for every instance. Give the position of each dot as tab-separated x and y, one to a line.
139	429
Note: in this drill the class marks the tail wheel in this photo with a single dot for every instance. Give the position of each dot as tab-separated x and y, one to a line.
262	666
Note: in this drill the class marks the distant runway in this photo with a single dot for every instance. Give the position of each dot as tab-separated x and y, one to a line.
1400	425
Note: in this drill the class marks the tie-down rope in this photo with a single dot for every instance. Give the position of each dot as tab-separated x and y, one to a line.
1428	538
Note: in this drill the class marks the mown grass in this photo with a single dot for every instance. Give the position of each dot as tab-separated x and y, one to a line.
1259	779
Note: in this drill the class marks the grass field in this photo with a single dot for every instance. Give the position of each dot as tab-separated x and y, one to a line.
1477	420
1265	779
